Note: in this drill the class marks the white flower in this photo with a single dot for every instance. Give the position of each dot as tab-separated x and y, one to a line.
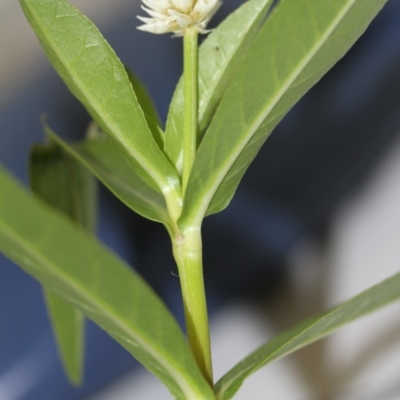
178	15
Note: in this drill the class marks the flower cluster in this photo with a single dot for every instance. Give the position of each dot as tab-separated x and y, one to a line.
178	15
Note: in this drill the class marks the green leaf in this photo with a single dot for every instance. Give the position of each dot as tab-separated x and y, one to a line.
299	43
105	158
69	330
64	184
95	75
219	57
308	332
72	264
147	105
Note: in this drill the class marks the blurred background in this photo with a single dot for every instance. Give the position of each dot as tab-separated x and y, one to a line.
315	221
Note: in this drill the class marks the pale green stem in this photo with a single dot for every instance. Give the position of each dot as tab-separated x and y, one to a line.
190	63
187	244
188	255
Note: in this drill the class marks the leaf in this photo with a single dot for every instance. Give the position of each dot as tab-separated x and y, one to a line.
104	157
308	332
75	266
147	105
63	183
219	57
69	330
94	74
67	186
299	43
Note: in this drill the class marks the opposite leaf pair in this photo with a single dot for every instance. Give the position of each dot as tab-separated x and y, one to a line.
251	73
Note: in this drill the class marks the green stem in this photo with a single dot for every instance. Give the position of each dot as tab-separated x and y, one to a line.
190	63
188	255
187	244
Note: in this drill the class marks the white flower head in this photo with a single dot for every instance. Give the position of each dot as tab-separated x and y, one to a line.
178	15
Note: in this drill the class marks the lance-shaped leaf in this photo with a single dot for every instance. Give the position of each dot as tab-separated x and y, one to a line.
73	264
300	41
219	57
309	332
107	160
95	75
63	183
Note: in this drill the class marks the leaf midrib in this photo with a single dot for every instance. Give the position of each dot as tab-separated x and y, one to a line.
219	177
154	205
84	157
112	177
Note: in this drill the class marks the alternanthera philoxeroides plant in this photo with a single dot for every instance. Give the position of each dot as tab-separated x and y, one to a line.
236	87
